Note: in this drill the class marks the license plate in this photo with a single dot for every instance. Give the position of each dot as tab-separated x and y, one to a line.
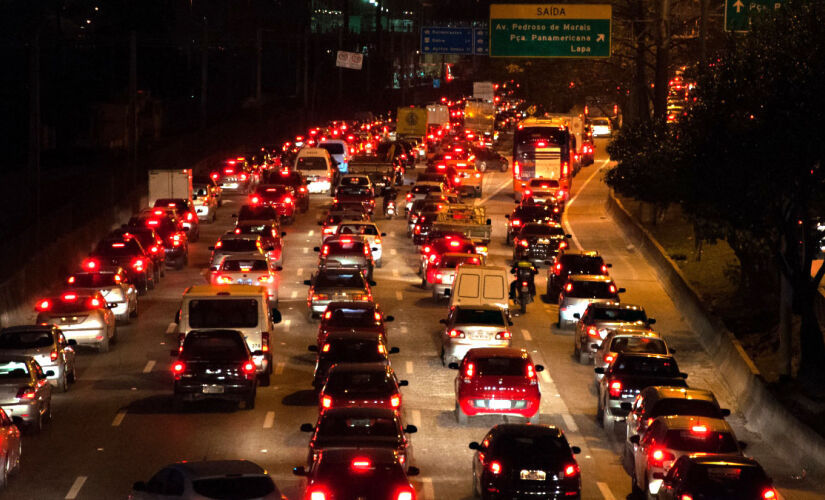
449	279
533	475
213	389
499	404
479	336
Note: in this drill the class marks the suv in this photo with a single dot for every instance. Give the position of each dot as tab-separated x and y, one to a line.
468	327
712	475
277	196
630	339
167	226
539	242
211	479
580	291
130	255
296	181
349	347
185	211
599	319
572	262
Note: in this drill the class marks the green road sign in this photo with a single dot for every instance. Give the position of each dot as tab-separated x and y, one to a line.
550	30
738	12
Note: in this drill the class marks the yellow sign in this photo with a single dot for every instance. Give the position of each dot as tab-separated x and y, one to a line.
411	121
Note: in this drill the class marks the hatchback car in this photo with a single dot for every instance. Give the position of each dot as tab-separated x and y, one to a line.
237	246
499	381
271	237
255	270
206	198
539	242
345	316
328	285
48	346
630	339
361	385
25	394
113	283
525	214
525	461
580	291
573	262
350	252
215	479
369	232
712	475
130	255
466	328
82	315
601	318
349	347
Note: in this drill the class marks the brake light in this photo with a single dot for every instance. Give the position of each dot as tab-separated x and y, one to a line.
615	389
608	358
382	349
564	167
317	494
524	243
495	467
405	494
152	222
26	393
265	341
469	370
69	297
531	371
138	264
455	243
223	280
524	283
593	332
320	296
658	456
53	355
94	303
90	264
685	496
325	348
70	280
255	200
568	287
287	200
769	494
361	464
325	250
214	176
699	429
326	401
516	169
44	305
528	192
243	176
457	179
178	368
541	144
612	288
395	400
604	269
571	470
190	216
248	368
515	222
409	196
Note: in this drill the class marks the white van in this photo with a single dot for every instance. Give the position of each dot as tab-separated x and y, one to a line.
232	307
339	151
479	286
316	165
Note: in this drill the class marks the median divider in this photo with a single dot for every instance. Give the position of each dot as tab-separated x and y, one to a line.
789	437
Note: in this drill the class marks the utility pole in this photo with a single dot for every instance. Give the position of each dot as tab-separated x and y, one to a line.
660	87
204	70
35	133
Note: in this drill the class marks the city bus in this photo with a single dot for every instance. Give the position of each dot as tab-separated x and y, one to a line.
542	148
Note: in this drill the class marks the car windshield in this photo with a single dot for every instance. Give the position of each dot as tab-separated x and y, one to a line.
361	229
345	382
591	290
695	407
542	230
311	163
346	317
353	350
238	245
213	346
340	280
577	264
643	365
500	366
479	317
244	266
358	426
26	340
11	370
727	480
708	441
513	445
333	148
235	488
178	205
649	345
93	280
223	313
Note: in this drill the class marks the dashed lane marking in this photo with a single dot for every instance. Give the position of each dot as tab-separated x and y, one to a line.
287	324
269	419
171	328
399	295
311	232
395	273
306	249
546	377
415	418
393	251
75	489
427	492
570	423
486	198
279	368
605	490
404	329
294	294
119	418
300	271
526	335
564	220
409	366
149	365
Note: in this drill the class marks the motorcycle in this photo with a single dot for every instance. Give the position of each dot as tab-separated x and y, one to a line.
523	295
389	209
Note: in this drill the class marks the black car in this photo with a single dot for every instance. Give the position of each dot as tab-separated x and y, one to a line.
358	473
149	240
175	241
539	242
349	347
131	256
361	385
488	159
525	461
569	262
257	212
525	214
214	364
712	476
286	177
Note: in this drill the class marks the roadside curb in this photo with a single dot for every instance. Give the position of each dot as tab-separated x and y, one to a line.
789	437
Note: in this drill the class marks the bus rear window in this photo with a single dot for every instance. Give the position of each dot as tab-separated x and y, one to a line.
223	313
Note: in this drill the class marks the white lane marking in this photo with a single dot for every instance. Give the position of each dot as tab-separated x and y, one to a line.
306	249
415	418
546	377
395	273
300	271
526	334
279	368
119	418
392	234
484	200
294	294
75	489
287	324
171	328
605	490
393	251
564	220
399	295
311	232
427	492
269	419
570	423
409	366
404	329
149	365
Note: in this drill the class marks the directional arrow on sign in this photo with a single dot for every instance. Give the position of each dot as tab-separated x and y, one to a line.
738	4
600	37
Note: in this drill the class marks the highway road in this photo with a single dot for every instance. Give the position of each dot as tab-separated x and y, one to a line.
117	424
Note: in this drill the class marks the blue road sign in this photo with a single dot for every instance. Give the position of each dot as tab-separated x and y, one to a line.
440	40
481	42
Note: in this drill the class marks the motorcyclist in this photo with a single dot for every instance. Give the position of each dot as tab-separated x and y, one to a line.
524	270
390	194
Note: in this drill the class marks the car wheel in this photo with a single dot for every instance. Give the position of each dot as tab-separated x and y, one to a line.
113	338
73	374
584	358
15	469
250	400
424	283
379	263
608	423
535	419
36	426
181	263
47	417
503	166
482	167
265	379
508	239
599	411
103	346
155	276
4	473
460	416
63	383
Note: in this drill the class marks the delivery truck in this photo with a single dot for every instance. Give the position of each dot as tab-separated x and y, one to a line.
170	184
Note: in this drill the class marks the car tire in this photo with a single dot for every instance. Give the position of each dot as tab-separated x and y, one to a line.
482	167
63	383
379	263
460	416
15	469
250	400
503	166
73	376
424	283
103	346
113	338
4	472
36	426
584	358
265	379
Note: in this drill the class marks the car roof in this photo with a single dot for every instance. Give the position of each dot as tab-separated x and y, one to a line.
590	277
224	290
211	468
484	307
14	357
659	392
615	305
681	422
580	253
497	352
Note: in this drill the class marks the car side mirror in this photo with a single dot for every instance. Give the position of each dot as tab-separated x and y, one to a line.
635	439
394	350
307	428
373	283
299	471
73	342
577	315
627	406
383	234
448	292
139	486
308	282
671	350
599	370
453	366
413	471
575	449
475	446
517	202
659	475
609	265
174	352
316	249
403	383
177	316
389	319
235	216
374	249
507	216
568	235
725	412
312	348
539	368
320	223
683	374
622	290
211	248
283	233
594	346
651	321
410	429
743	445
489	221
50	373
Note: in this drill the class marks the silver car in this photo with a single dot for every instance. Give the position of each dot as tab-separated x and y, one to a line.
48	346
601	318
23	394
330	285
236	245
580	291
442	274
82	315
113	283
466	328
630	338
210	479
248	271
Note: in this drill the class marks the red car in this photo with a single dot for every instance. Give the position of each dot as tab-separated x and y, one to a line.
361	385
432	251
343	316
498	381
279	197
296	181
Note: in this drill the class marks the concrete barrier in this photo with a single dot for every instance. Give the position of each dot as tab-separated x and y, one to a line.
789	437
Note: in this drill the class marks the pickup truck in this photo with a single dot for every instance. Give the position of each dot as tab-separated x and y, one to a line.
471	221
382	173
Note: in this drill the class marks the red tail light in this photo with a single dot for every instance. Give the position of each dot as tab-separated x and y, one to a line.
287	200
524	243
317	493
178	368
571	470
405	493
361	464
769	494
615	389
592	331
557	267
138	264
26	393
94	303
70	280
154	249
494	467
244	177
563	245
469	370
53	355
564	168
69	297
215	176
409	196
223	280
608	358
686	496
395	400
612	288
516	169
524	283
325	250
248	368
658	456
456	334
265	341
90	264
254	200
326	401
604	269
44	305
568	287
190	216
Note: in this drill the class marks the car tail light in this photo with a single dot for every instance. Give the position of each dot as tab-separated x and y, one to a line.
366	250
382	349
524	243
69	297
469	370
409	196
154	249
243	176
44	305
564	168
438	277
53	355
557	268
90	264
494	467
328	230
531	372
190	216
457	179
215	176
615	389
248	368
178	368
94	303
361	464
516	169
592	331
568	287
612	288
395	400
608	358
320	296
699	429
325	250
686	496
405	493
562	244
515	222
223	280
524	283
604	269
561	194
70	280
326	401
317	493
769	494
254	200
528	192
505	335
481	249
265	278
26	393
658	456
571	470
432	258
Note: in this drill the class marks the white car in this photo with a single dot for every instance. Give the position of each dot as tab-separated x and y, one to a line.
369	231
256	270
82	315
600	127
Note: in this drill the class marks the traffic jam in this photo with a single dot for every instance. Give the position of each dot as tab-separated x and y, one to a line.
383	214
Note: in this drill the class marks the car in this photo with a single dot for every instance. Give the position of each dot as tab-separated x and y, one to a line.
130	255
167	226
256	213
328	285
357	180
656	401
213	479
420	190
352	346
539	242
433	250
11	448
626	376
601	318
350	252
465	178
113	283
348	195
278	196
338	150
600	127
82	315
236	245
630	338
489	159
255	270
441	273
271	237
466	328
524	214
331	220
150	240
317	167
361	385
235	176
570	262
185	211
541	191
355	428
713	475
350	206
368	231
350	315
498	381
364	472
207	197
582	290
293	179
26	395
214	364
48	346
523	460
668	438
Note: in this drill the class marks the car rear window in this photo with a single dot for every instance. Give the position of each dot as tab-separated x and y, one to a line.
358	426
352	191
244	265
93	280
354	181
213	346
542	230
700	442
346	247
424	189
695	407
311	163
353	350
262	213
499	366
235	488
591	290
577	264
510	445
642	365
453	261
118	248
619	315
26	340
223	313
238	245
178	205
479	317
270	191
363	229
334	149
347	317
343	280
253	228
649	345
11	370
162	225
344	382
721	480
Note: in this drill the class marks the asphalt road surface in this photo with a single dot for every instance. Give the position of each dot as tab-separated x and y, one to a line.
117	424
